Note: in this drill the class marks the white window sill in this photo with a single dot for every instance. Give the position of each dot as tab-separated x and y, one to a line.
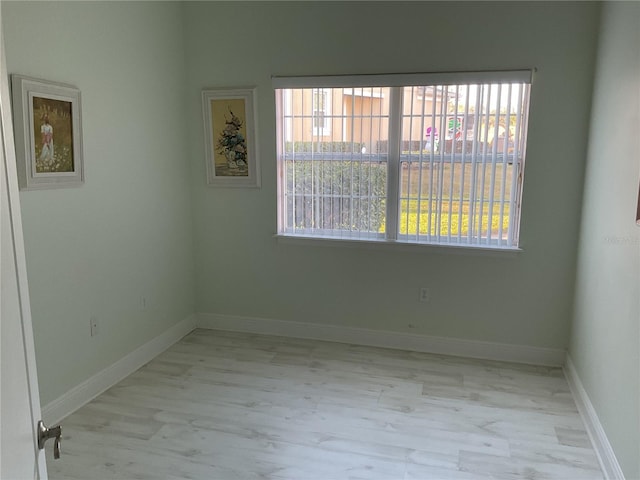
482	250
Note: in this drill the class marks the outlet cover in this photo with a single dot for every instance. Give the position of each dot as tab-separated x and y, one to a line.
425	295
95	326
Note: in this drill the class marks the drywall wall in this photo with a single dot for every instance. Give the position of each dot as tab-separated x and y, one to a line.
605	338
521	299
126	233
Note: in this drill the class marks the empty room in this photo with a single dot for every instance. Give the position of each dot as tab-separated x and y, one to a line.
320	240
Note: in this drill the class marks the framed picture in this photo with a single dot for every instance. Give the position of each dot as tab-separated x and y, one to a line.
230	137
48	132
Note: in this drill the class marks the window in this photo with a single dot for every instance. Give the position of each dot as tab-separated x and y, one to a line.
418	158
321	111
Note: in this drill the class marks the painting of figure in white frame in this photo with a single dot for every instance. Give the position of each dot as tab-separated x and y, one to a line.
48	131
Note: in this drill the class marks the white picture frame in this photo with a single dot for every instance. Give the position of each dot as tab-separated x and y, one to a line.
47	120
231	148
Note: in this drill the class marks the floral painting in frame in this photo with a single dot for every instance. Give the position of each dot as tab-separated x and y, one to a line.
230	137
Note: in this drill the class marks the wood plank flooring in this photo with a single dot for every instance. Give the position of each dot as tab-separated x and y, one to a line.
220	405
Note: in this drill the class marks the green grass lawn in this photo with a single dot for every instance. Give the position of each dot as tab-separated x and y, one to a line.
420	193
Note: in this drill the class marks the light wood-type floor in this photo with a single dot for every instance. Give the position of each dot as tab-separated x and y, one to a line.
220	405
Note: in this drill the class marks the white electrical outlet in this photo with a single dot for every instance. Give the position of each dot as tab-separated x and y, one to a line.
95	327
425	295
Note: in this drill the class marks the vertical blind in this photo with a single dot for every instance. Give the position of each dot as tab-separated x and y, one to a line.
420	158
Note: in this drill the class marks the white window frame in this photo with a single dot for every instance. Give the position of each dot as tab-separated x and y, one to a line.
288	127
397	82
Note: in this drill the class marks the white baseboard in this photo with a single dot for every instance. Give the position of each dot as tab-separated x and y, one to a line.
599	440
83	393
380	338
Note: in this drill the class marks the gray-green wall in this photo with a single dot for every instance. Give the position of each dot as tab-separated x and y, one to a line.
605	339
127	232
523	299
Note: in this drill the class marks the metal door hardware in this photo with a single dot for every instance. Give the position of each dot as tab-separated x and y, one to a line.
45	434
